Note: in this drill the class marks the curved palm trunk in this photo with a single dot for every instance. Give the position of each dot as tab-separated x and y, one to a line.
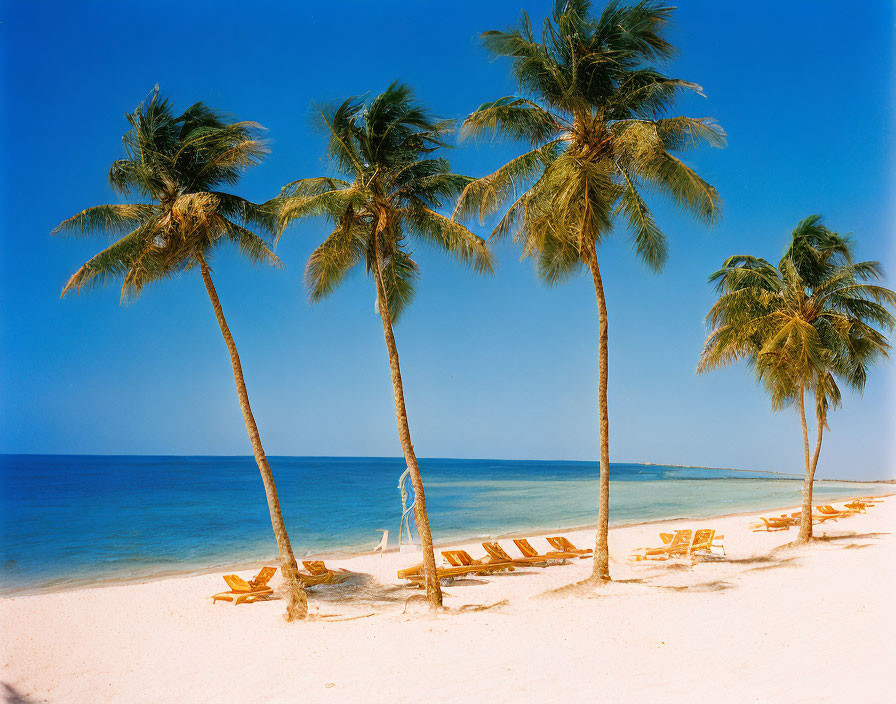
805	534
601	569
421	518
298	601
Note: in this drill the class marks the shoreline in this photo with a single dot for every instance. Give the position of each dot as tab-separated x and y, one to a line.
343	555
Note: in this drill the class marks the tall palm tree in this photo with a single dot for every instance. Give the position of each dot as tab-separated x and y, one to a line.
175	163
590	106
802	326
392	191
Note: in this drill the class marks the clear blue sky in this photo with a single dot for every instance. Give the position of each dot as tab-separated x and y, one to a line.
500	367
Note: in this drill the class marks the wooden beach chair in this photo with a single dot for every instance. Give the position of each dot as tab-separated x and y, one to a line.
677	547
526	550
243	592
704	542
860	505
773	523
562	544
446	575
499	555
828	510
816	517
317	569
461	558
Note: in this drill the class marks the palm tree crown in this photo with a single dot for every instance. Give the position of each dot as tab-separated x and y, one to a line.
591	107
393	192
805	323
176	163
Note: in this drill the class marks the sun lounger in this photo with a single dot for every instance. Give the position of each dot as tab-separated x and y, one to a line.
461	558
858	506
773	523
677	547
831	511
414	574
704	542
562	544
498	554
243	592
317	569
816	518
526	550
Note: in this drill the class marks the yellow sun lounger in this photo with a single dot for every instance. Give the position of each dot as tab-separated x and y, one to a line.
461	558
774	523
858	506
498	555
816	517
319	573
526	550
677	547
562	544
414	574
704	542
831	511
242	591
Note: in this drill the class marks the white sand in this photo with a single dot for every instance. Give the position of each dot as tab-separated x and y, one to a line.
814	624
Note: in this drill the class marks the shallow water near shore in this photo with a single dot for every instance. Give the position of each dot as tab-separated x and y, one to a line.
76	520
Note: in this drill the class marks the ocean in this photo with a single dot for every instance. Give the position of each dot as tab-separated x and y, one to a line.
67	521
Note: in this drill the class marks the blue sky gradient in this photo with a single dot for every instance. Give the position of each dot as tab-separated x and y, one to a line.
494	367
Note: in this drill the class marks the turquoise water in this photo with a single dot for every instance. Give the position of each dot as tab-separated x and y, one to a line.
72	520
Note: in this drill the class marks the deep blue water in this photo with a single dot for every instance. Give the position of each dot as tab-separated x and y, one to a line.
67	520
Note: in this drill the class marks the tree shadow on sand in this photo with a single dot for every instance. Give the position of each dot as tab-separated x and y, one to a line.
715	585
360	589
847	536
13	696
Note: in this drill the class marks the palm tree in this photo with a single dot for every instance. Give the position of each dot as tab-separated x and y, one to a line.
175	163
801	326
392	192
591	107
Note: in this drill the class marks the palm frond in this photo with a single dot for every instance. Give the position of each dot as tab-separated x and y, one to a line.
453	238
251	245
106	219
332	260
485	195
511	118
650	242
399	275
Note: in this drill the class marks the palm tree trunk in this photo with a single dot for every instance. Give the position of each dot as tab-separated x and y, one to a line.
809	482
421	518
601	569
806	516
298	600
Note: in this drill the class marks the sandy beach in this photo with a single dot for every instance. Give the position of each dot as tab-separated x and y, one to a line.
765	623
